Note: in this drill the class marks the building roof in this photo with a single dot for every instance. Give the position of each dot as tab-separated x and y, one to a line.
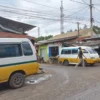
83	33
70	36
91	43
11	35
57	40
93	38
14	26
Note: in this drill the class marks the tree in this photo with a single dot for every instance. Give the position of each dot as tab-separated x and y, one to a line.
96	29
44	38
75	29
70	30
85	27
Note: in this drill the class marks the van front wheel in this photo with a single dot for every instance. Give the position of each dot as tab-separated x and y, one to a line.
16	80
66	63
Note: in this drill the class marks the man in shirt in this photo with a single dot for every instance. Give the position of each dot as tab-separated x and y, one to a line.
80	55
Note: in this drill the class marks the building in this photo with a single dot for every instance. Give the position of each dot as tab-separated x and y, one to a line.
14	29
93	42
52	47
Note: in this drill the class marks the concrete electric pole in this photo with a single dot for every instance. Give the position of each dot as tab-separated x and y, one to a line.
38	32
91	17
91	12
78	32
62	18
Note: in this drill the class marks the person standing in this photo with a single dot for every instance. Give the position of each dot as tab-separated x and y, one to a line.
81	59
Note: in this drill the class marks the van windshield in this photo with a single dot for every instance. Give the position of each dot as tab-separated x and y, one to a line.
92	51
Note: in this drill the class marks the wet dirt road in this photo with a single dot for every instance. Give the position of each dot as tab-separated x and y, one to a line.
58	83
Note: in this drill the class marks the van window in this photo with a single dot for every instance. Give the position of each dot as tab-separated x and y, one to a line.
91	51
66	52
74	51
84	51
10	50
62	52
69	52
27	49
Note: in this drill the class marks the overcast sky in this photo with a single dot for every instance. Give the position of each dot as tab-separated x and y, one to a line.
46	14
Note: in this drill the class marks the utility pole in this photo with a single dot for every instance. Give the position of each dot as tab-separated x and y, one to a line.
38	32
78	32
91	12
91	17
62	18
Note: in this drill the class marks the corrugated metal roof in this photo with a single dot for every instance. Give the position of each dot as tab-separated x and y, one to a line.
56	40
93	38
84	32
14	26
91	43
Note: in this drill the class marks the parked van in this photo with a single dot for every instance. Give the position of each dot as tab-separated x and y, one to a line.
68	55
17	60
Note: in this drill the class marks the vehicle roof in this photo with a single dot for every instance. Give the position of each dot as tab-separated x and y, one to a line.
13	39
83	47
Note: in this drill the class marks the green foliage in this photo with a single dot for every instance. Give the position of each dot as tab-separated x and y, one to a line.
96	29
85	27
70	30
44	38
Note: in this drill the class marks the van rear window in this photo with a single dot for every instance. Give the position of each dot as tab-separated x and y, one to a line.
10	50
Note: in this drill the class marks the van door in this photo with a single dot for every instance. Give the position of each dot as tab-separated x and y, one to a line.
86	53
75	56
65	55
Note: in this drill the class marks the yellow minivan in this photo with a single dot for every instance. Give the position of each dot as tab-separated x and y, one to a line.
68	55
17	60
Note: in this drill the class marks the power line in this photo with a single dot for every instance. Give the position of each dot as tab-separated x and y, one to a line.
97	9
79	2
75	12
18	13
28	11
31	11
48	6
41	4
85	2
86	10
76	23
28	15
31	16
41	17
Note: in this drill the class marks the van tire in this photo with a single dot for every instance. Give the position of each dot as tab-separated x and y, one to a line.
16	80
66	63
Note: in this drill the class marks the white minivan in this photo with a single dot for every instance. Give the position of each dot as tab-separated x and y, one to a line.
17	60
68	55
